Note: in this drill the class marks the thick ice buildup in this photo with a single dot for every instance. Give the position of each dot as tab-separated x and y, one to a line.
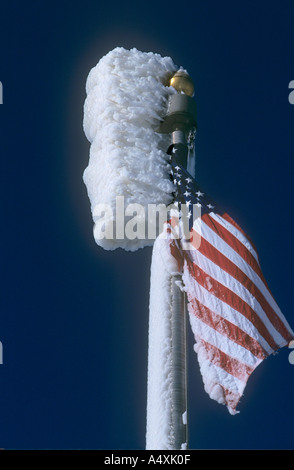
127	97
160	431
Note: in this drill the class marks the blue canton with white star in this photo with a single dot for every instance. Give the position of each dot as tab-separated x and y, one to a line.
187	191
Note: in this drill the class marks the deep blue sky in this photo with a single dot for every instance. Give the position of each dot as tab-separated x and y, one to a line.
74	318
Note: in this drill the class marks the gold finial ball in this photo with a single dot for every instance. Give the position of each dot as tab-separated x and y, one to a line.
181	81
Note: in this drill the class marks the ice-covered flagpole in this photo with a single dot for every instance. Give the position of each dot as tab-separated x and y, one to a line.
167	405
135	102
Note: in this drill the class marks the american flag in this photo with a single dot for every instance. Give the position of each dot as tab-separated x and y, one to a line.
233	315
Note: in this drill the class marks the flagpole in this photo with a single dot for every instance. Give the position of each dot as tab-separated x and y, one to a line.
179	402
167	404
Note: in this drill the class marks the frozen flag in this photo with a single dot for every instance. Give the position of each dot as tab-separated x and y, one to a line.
233	315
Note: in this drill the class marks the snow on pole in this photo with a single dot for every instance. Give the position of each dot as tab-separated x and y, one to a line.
166	406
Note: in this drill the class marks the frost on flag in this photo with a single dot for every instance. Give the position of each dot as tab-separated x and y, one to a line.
127	98
234	317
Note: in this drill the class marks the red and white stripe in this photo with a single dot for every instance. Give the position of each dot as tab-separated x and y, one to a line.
234	317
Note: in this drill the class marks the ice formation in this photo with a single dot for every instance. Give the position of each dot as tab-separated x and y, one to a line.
159	434
126	99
